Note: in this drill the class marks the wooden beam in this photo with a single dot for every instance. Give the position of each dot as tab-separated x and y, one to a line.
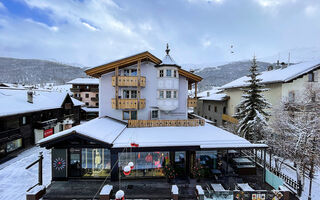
195	89
139	79
117	87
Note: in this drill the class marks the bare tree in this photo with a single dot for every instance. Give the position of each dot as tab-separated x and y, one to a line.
296	131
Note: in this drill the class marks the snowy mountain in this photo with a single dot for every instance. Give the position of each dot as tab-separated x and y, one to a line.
297	55
33	71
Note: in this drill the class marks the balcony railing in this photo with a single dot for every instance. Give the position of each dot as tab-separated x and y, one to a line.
95	89
129	81
228	118
192	102
75	89
129	104
163	123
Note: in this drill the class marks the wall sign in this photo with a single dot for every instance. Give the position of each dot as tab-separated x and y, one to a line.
59	163
47	132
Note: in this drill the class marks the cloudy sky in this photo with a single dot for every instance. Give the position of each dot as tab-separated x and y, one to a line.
92	32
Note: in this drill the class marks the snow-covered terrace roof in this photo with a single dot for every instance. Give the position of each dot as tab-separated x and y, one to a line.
214	95
14	101
207	136
86	109
84	81
103	129
278	75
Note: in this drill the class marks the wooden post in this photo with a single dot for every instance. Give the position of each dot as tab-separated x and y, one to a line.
195	89
40	168
227	167
139	85
117	87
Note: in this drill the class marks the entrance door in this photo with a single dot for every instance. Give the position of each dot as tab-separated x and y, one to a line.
74	162
180	163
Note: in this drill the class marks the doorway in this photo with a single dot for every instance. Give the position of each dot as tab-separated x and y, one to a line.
180	163
75	162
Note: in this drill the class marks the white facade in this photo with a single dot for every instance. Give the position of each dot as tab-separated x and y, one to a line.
167	108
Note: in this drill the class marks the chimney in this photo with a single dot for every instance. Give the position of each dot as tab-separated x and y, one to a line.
30	96
208	94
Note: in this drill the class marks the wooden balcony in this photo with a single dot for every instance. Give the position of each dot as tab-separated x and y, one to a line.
228	118
75	90
164	123
129	81
192	102
129	104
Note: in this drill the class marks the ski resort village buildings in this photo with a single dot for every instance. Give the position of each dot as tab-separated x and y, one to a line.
29	116
144	131
282	82
87	91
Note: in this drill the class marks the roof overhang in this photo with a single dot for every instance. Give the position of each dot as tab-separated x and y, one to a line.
192	78
124	62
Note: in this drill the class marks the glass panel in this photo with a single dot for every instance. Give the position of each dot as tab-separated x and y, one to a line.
133	115
154	114
179	160
75	166
168	94
161	73
95	162
175	94
13	145
133	94
161	95
126	72
168	72
126	94
146	164
126	115
133	72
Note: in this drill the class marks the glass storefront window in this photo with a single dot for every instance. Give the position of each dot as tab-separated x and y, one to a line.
146	164
95	162
13	145
207	158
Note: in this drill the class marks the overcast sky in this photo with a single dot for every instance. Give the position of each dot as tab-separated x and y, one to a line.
92	32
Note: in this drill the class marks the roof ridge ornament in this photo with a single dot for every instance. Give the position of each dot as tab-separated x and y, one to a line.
167	50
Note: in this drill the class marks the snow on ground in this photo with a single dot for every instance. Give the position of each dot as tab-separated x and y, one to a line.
15	179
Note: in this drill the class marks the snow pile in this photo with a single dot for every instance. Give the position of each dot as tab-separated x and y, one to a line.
15	180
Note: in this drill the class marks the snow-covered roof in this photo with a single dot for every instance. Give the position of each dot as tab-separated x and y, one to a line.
203	136
14	101
84	81
213	94
168	60
277	75
102	129
90	109
117	134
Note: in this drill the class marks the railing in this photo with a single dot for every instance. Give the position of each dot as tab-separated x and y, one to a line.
163	123
228	118
95	89
292	183
129	104
129	81
192	102
75	89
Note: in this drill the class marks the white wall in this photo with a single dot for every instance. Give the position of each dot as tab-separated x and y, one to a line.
107	92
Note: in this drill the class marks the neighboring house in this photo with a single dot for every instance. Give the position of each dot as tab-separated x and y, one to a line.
212	104
283	82
143	119
28	116
86	90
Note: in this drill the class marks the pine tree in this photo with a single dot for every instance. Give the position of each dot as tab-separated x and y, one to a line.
251	110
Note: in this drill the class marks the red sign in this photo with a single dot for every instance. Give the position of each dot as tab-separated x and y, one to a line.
47	132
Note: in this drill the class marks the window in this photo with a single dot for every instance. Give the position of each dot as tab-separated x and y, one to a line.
133	72
311	77
215	109
161	94
126	72
78	86
291	96
209	107
13	123
168	94
24	120
129	94
175	94
168	73
87	95
13	145
130	115
175	73
97	95
97	104
130	72
154	114
95	162
161	73
224	110
87	103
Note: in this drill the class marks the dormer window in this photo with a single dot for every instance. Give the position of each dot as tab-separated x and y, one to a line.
168	73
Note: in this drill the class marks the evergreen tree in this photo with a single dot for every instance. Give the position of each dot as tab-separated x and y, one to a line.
251	110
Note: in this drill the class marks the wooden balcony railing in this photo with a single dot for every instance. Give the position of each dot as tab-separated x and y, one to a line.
75	89
228	118
192	102
163	123
128	104
129	81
